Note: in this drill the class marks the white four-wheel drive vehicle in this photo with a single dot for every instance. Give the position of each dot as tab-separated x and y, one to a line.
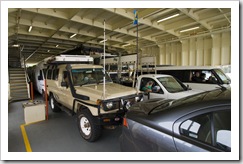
164	86
88	91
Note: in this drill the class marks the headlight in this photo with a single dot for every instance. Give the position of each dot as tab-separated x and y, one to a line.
138	99
109	105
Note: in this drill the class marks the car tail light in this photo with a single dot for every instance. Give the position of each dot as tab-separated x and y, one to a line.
125	122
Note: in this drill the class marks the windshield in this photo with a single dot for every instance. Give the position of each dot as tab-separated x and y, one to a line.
170	84
89	76
222	76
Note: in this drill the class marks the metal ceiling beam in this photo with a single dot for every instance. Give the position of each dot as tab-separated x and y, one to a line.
146	21
195	17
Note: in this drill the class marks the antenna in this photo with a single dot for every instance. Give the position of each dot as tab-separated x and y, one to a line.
104	65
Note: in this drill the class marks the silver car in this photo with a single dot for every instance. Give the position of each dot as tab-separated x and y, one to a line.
196	123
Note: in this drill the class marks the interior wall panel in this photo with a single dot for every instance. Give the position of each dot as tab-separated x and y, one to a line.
208	50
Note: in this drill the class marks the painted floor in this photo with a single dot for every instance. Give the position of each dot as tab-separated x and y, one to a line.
57	134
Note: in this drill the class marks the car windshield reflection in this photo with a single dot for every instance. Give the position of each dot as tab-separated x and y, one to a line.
170	84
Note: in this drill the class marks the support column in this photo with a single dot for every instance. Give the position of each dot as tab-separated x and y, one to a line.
199	53
216	49
185	53
168	54
207	54
192	51
162	54
226	49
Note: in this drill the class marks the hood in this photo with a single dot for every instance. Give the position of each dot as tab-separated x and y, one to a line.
148	105
112	90
179	95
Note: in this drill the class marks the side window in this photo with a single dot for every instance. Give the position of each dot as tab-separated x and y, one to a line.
222	129
49	74
55	74
198	128
201	127
44	72
40	77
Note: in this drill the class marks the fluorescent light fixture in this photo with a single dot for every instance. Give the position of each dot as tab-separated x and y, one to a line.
103	41
189	29
128	44
73	35
169	17
57	45
15	45
30	28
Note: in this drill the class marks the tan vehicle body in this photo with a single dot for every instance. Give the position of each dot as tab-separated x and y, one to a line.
93	107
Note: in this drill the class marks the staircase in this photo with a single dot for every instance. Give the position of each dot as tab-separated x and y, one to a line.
19	88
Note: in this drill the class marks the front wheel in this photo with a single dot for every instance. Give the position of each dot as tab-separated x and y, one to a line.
53	103
87	127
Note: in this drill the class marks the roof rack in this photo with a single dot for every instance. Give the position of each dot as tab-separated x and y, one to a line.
70	59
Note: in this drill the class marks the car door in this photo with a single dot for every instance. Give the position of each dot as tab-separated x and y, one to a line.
154	94
204	130
64	91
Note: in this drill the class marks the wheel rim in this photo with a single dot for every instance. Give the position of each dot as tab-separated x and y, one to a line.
52	103
85	126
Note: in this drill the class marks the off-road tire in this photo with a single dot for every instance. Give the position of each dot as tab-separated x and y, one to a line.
53	104
87	127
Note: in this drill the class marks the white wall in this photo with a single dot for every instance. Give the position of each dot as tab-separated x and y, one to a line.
206	50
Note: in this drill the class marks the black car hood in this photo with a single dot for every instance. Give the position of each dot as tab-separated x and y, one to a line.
147	106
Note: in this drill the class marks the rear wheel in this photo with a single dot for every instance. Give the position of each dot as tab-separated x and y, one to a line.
53	103
87	127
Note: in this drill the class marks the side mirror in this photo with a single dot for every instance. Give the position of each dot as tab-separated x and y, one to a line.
64	84
39	77
188	87
147	94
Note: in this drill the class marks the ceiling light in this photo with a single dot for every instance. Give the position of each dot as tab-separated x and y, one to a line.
15	45
189	29
103	41
128	44
30	28
48	50
73	35
169	17
57	45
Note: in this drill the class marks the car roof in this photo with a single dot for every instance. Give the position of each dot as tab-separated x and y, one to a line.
186	67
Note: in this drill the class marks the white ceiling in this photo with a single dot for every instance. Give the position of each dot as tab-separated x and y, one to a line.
54	26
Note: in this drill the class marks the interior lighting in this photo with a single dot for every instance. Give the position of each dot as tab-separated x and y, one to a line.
169	17
126	45
57	45
15	45
103	41
30	28
73	35
189	29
